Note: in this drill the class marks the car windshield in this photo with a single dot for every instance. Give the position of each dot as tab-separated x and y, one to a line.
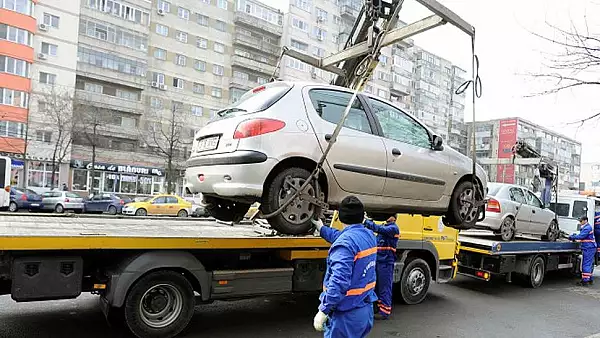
146	199
19	190
561	209
258	99
493	189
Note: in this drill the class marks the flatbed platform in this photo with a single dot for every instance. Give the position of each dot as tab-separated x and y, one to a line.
490	246
72	231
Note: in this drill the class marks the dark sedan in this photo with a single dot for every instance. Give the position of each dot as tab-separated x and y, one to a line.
105	202
24	199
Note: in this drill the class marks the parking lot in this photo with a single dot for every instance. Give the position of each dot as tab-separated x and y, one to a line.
463	308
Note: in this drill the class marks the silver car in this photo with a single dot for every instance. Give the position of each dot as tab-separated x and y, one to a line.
266	144
59	201
512	209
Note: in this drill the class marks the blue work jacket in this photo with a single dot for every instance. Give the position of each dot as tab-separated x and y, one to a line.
387	240
585	237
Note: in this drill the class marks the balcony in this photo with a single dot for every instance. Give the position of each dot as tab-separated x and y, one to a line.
256	43
348	11
400	88
256	66
107	101
109	75
249	20
242	84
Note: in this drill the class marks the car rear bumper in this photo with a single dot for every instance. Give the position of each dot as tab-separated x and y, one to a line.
492	221
240	173
73	205
32	205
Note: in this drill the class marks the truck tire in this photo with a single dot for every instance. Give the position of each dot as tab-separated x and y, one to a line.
159	305
414	283
535	275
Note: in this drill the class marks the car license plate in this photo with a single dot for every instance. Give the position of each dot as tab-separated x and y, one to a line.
35	205
209	143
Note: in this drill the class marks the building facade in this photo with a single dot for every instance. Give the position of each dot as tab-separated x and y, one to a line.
590	177
494	140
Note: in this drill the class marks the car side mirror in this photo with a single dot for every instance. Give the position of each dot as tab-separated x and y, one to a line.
437	143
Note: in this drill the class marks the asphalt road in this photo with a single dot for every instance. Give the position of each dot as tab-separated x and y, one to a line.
463	308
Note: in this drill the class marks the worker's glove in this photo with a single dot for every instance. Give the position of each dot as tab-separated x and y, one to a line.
318	225
319	321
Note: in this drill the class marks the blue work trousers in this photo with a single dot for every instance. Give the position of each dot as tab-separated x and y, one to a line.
383	288
355	323
587	264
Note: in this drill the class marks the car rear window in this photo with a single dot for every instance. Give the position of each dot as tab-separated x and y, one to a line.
561	209
493	189
579	209
255	100
73	195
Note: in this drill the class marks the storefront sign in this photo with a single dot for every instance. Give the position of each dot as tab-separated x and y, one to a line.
16	164
506	140
117	168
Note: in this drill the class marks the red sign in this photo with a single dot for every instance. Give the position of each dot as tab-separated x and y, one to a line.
507	137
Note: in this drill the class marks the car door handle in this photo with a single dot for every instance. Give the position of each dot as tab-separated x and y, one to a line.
396	152
328	137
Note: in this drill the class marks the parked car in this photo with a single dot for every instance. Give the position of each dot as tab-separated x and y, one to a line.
513	209
105	202
24	199
264	146
167	205
59	201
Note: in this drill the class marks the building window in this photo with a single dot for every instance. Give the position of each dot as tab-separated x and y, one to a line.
40	175
206	1
183	13
218	70
201	43
47	78
240	75
319	33
219	48
296	22
124	11
162	30
303	4
113	34
155	102
19	6
12	129
213	112
319	52
299	45
127	95
198	88
14	66
51	20
296	64
321	15
202	20
43	136
178	83
200	65
160	54
216	92
111	61
181	36
12	97
220	25
222	4
180	60
93	87
158	78
16	35
196	110
49	49
164	5
261	80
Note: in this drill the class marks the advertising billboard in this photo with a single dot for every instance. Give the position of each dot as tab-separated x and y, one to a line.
507	137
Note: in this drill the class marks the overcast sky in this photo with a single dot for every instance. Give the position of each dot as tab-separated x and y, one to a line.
506	51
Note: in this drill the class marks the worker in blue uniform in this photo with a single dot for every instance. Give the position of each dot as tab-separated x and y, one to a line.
588	250
387	241
346	308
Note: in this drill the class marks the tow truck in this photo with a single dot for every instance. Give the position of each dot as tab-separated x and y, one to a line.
150	272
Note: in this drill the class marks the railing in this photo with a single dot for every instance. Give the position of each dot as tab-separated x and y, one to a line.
252	64
258	23
256	43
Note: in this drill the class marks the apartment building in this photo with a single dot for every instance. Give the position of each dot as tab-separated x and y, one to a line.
590	177
495	138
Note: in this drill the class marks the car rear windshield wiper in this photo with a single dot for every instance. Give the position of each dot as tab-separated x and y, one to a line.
231	110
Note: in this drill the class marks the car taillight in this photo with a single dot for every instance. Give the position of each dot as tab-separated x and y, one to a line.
121	202
24	197
493	206
66	200
258	89
255	127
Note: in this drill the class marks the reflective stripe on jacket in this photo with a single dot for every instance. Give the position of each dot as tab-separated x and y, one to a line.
387	240
585	237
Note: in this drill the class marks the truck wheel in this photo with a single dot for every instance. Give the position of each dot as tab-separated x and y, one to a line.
535	276
226	211
415	281
460	214
159	305
296	218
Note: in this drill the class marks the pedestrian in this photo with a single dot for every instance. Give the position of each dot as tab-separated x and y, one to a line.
346	309
387	241
588	250
64	187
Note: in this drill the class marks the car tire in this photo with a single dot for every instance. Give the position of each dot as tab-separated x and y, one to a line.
508	229
59	209
226	211
415	281
552	233
141	212
182	213
166	288
296	218
78	211
13	207
112	210
458	215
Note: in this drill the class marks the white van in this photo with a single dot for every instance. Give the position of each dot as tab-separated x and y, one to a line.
571	207
4	182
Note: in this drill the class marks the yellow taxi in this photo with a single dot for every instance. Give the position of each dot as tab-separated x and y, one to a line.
164	205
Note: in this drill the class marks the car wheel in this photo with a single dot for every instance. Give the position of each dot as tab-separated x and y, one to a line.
552	232
112	210
295	219
59	209
159	305
226	211
78	211
13	207
508	229
461	214
141	212
414	283
182	213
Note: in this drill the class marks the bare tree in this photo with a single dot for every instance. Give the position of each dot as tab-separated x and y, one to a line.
58	110
575	65
168	132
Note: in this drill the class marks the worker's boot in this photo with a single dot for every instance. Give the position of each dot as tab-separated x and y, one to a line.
591	282
582	283
379	316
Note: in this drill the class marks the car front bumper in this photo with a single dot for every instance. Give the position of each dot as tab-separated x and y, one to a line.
240	173
128	211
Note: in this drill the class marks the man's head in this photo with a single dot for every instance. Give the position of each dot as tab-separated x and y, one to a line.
351	211
583	220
